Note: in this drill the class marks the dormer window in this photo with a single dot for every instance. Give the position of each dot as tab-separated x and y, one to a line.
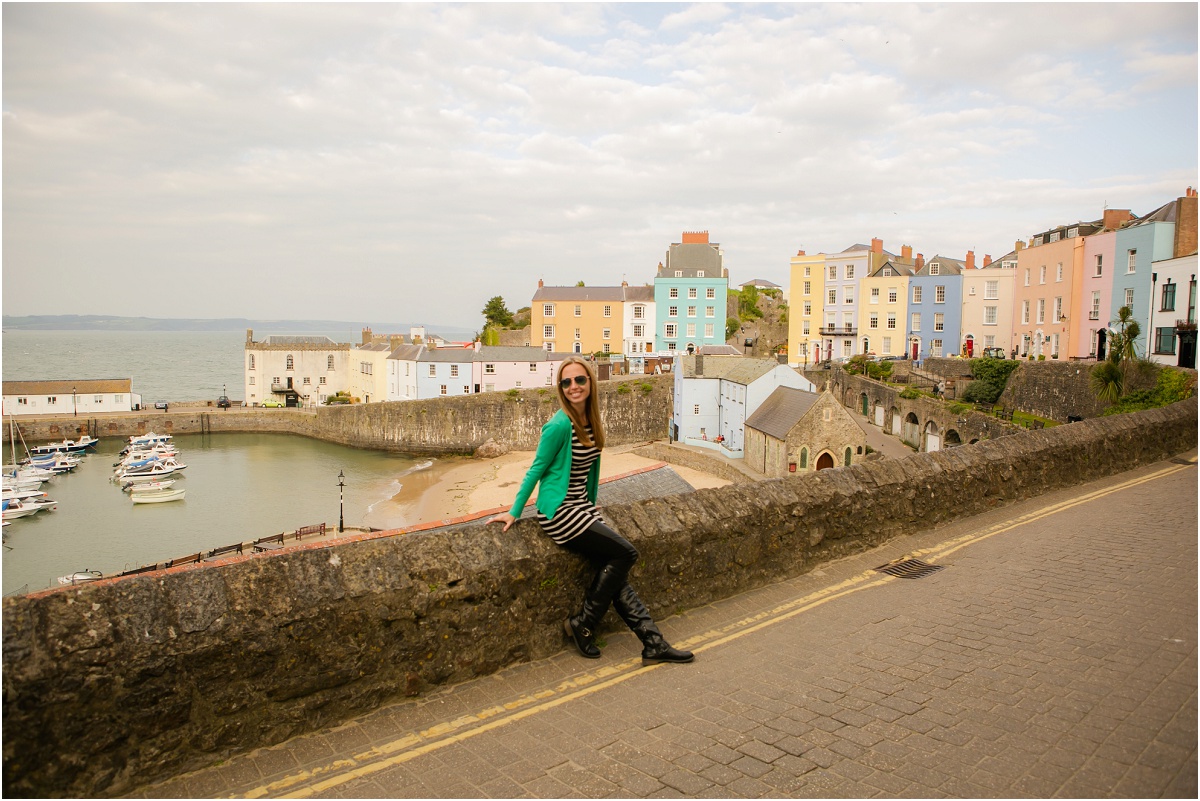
935	268
1054	237
699	273
1072	233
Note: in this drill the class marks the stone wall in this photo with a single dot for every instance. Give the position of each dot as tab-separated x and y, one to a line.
714	465
634	410
127	681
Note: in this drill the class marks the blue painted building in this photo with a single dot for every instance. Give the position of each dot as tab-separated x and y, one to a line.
690	294
1139	244
935	308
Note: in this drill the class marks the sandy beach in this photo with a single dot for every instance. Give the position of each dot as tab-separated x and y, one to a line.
457	486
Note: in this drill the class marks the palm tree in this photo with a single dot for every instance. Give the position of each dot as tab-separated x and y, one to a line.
1108	381
1110	377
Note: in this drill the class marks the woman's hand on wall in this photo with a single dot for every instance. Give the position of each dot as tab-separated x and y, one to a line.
506	518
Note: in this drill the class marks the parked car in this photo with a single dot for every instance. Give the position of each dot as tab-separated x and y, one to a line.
223	402
271	404
160	405
994	353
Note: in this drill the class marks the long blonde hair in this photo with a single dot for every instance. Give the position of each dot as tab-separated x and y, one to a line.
593	406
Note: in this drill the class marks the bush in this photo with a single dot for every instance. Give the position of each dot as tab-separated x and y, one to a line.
910	393
982	392
1172	386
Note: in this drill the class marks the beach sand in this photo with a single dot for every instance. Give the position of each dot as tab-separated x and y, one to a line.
456	486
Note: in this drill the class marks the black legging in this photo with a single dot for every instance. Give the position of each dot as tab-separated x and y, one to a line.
603	546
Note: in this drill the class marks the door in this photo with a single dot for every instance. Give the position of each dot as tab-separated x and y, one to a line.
1187	349
865	407
1101	342
970	347
824	461
915	350
879	416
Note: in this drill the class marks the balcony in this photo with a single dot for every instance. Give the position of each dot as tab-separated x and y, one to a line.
1093	315
836	330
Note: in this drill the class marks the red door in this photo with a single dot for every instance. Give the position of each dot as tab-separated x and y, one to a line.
914	351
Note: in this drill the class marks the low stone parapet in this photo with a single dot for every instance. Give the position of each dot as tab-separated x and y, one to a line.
111	686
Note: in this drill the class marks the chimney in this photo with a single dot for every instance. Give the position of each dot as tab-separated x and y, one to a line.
970	260
920	261
1019	246
877	245
801	253
249	336
366	336
1113	218
986	259
540	284
695	238
699	364
477	345
396	340
906	252
1185	224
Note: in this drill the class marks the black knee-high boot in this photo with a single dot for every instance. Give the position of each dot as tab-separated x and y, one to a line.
655	649
581	628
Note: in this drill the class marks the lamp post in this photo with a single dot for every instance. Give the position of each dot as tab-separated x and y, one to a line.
74	402
341	501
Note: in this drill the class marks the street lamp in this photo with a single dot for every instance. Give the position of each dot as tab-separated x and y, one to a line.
74	402
341	501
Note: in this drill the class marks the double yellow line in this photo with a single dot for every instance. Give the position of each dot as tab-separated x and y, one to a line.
309	782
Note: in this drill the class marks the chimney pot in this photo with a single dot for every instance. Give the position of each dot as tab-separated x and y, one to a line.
540	283
987	259
876	245
906	252
800	253
970	260
920	260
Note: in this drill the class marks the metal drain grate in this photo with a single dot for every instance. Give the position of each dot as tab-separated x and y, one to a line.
908	568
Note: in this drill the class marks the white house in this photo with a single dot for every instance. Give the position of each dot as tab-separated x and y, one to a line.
1173	302
715	394
442	372
402	372
295	370
87	396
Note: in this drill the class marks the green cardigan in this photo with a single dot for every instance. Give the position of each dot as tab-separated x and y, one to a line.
552	466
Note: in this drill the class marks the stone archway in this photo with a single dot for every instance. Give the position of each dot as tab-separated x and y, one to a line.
952	439
912	430
897	421
933	438
864	404
825	461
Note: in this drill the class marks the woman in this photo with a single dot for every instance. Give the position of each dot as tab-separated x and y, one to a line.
568	466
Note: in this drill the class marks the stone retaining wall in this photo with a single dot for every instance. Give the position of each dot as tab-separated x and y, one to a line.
713	465
117	684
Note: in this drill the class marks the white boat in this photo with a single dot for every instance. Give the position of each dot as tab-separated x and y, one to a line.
146	486
151	470
31	498
149	439
158	496
158	451
14	509
20	482
66	446
80	576
55	462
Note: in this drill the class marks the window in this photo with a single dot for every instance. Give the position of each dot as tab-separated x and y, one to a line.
1058	309
1037	241
804	328
939	322
1132	259
887	344
916	322
939	294
1041	313
1099	264
1094	314
696	408
691	330
807	308
808	287
849	270
673	293
1129	298
710	311
276	380
547	332
833	297
891	320
847	457
467	389
533	367
639	312
874	294
1054	237
887	271
971	291
1058	274
935	347
1168	297
708	330
578	310
873	320
833	272
251	380
607	348
547	309
291	363
669	330
1042	273
577	336
329	363
699	273
607	333
639	330
892	294
691	293
1072	233
691	311
990	315
710	293
804	458
454	371
1026	276
1025	311
916	294
52	400
307	380
679	273
991	290
251	361
848	294
489	387
935	268
989	341
607	311
432	370
673	311
807	272
1164	340
22	401
443	391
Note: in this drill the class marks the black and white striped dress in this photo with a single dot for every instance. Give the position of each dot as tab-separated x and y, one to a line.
576	512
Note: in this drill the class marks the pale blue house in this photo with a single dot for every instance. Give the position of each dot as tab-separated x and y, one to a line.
691	290
935	307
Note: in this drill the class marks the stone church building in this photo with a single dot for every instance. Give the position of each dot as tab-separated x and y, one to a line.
796	431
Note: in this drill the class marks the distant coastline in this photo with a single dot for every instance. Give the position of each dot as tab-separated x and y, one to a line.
101	322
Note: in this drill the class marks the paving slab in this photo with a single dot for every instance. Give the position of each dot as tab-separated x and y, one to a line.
1054	654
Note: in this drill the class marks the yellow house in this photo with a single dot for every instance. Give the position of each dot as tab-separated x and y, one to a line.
805	307
577	319
882	317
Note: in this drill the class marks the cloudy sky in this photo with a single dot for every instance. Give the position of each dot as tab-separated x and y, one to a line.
406	162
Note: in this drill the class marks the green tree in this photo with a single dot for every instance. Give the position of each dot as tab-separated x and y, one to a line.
731	326
497	314
579	284
1110	378
490	336
748	303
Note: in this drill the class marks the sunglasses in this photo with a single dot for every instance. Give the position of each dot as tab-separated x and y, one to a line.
581	380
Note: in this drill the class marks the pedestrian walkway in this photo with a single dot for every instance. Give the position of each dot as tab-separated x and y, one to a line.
1052	652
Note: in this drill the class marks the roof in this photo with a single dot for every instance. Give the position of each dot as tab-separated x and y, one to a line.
505	353
900	269
781	411
65	387
761	282
406	353
276	339
738	369
635	294
688	257
718	350
442	355
947	265
1164	213
375	346
614	294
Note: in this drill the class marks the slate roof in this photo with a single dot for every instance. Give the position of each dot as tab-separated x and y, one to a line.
781	411
1164	213
406	353
276	339
579	293
718	350
375	347
88	386
639	294
505	353
899	269
761	282
946	266
739	369
443	355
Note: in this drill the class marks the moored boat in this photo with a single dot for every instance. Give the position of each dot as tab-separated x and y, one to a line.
80	576
158	496
66	446
146	486
13	509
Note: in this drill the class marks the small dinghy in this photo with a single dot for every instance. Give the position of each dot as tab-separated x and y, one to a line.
157	496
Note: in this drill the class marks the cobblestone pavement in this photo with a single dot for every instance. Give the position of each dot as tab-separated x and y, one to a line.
1054	654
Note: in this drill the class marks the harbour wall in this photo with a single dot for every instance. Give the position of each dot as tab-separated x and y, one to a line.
114	685
635	410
